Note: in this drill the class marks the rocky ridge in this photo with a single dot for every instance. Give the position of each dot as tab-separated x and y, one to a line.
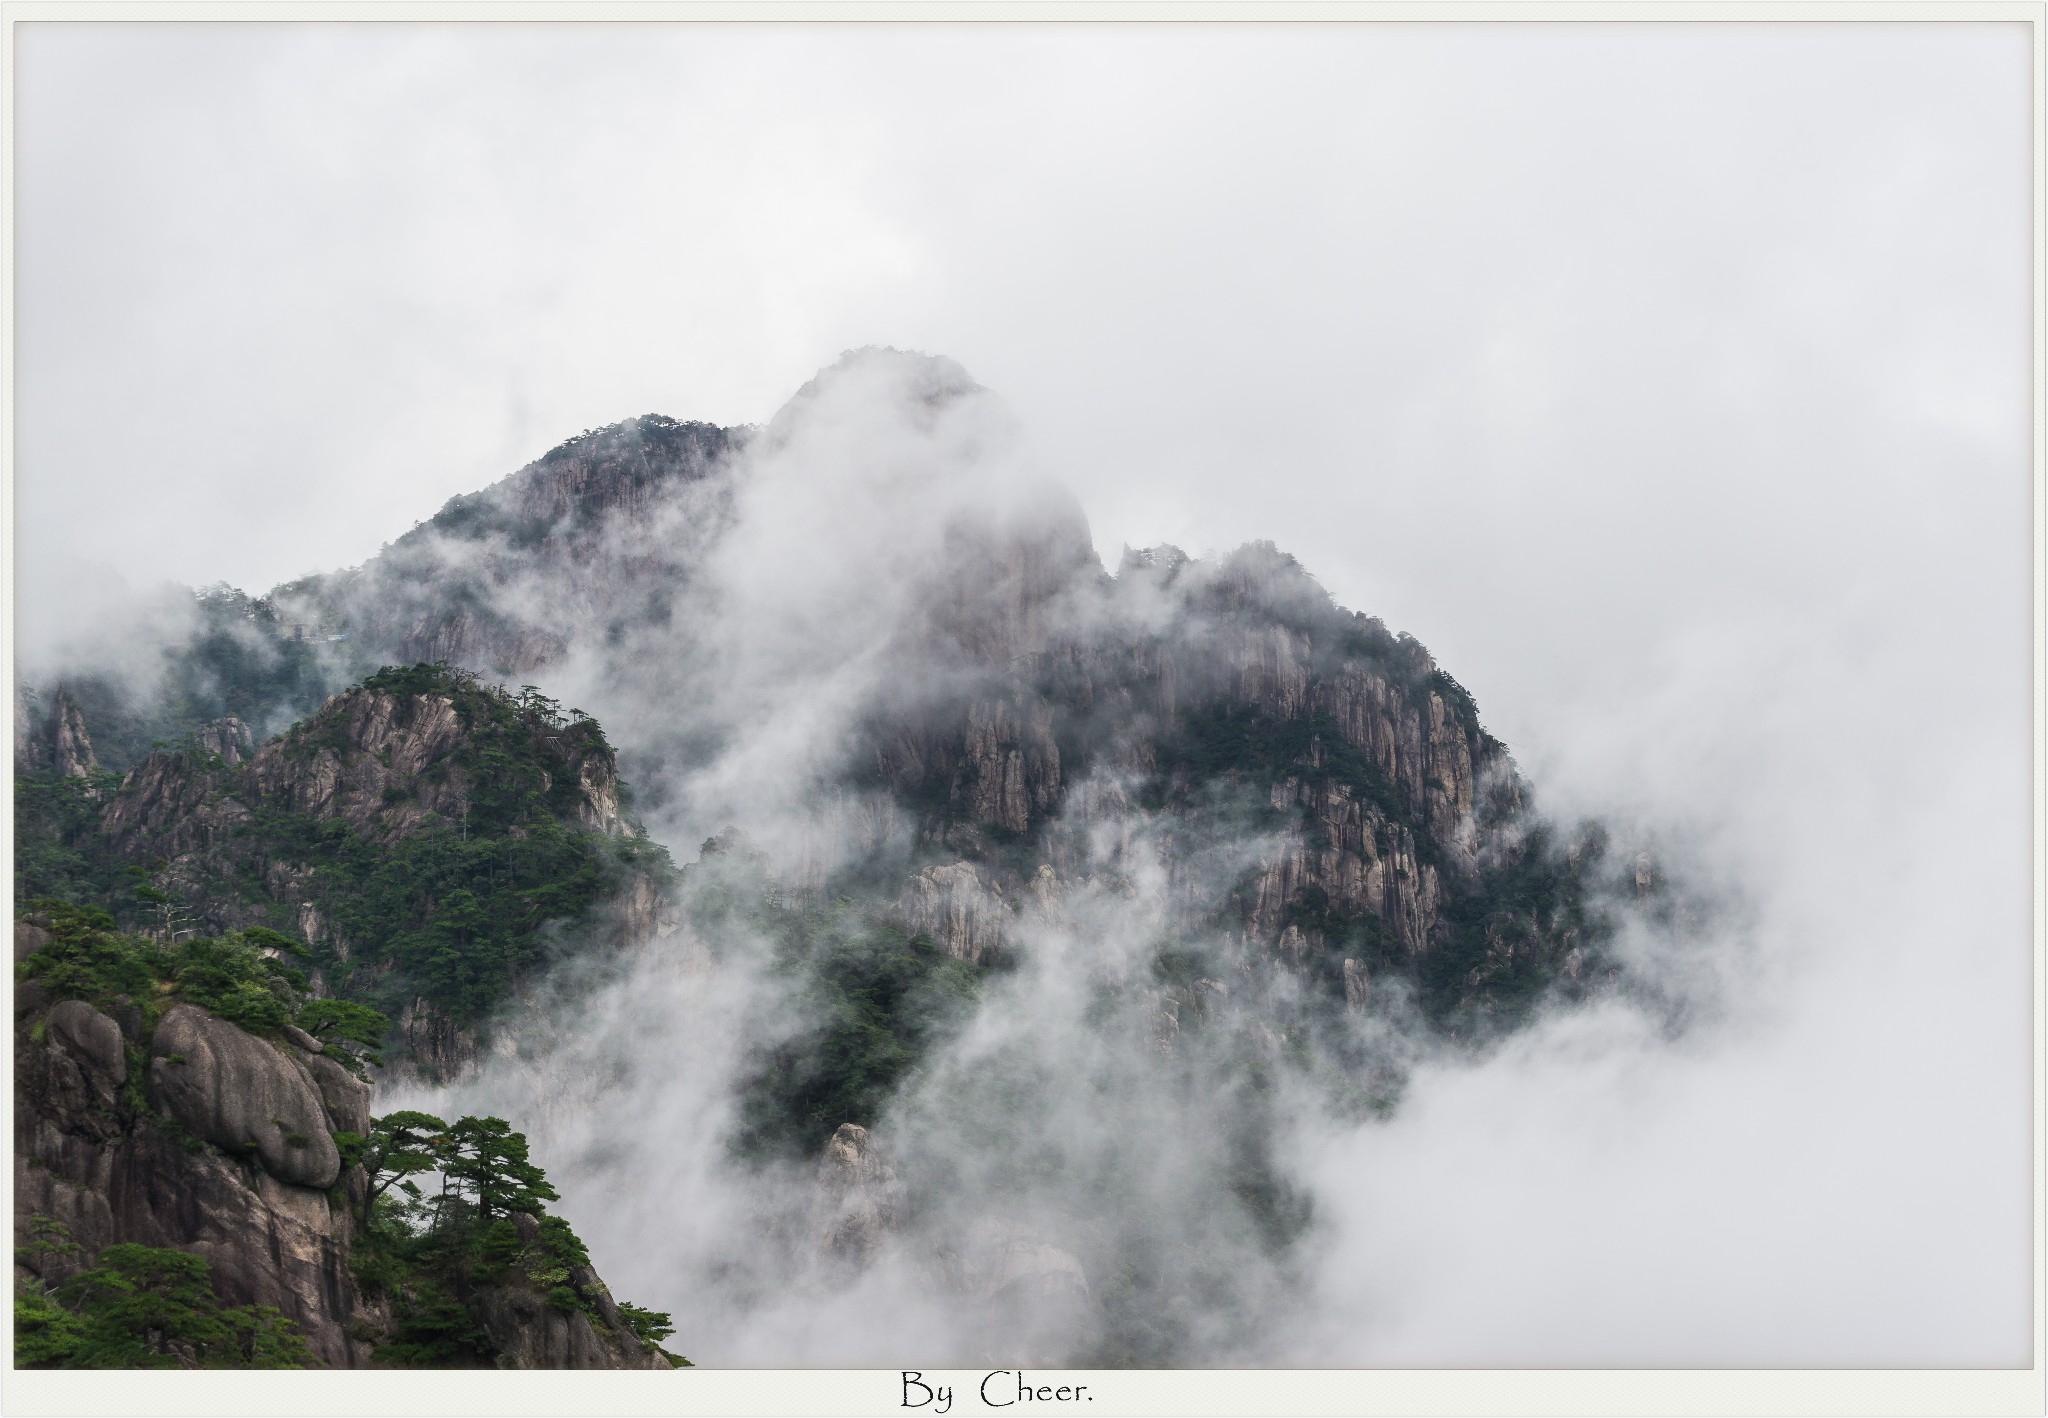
600	530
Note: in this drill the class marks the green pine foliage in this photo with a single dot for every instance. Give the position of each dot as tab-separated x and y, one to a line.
463	910
434	1252
455	912
874	999
56	818
234	976
143	1307
242	660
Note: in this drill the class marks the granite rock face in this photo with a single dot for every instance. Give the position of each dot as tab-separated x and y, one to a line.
1023	688
53	738
255	1206
70	746
858	1196
385	763
530	1333
240	1168
229	737
966	916
1154	691
231	1089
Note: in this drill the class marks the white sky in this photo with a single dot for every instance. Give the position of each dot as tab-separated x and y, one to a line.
1669	382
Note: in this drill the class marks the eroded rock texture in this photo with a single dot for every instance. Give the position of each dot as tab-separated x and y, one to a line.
228	1154
227	1151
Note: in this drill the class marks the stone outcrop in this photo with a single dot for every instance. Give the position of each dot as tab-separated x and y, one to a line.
229	1154
384	762
256	1207
229	738
968	918
858	1196
1192	677
231	1089
1357	987
93	1041
530	1332
1356	864
55	740
70	745
171	807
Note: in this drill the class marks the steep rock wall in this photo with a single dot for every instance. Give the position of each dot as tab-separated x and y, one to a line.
151	1165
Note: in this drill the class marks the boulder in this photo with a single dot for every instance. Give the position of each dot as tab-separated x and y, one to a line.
530	1333
92	1039
28	940
231	1089
346	1096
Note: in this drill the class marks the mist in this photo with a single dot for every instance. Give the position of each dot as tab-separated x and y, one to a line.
1668	384
1705	1166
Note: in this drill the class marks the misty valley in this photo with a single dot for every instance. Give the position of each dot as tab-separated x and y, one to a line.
765	894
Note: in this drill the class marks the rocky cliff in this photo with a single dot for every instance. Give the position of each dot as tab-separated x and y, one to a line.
153	1121
1182	690
52	738
226	1151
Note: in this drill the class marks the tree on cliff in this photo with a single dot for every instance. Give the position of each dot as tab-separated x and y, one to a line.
400	1146
485	1159
144	1307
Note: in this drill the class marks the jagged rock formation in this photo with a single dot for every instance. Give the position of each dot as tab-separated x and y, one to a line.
1301	810
954	906
383	761
1032	696
1181	691
228	737
530	1333
56	741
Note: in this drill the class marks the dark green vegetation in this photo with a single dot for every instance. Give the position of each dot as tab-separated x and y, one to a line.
871	1000
238	976
454	912
142	1307
462	909
56	829
1505	923
434	1254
